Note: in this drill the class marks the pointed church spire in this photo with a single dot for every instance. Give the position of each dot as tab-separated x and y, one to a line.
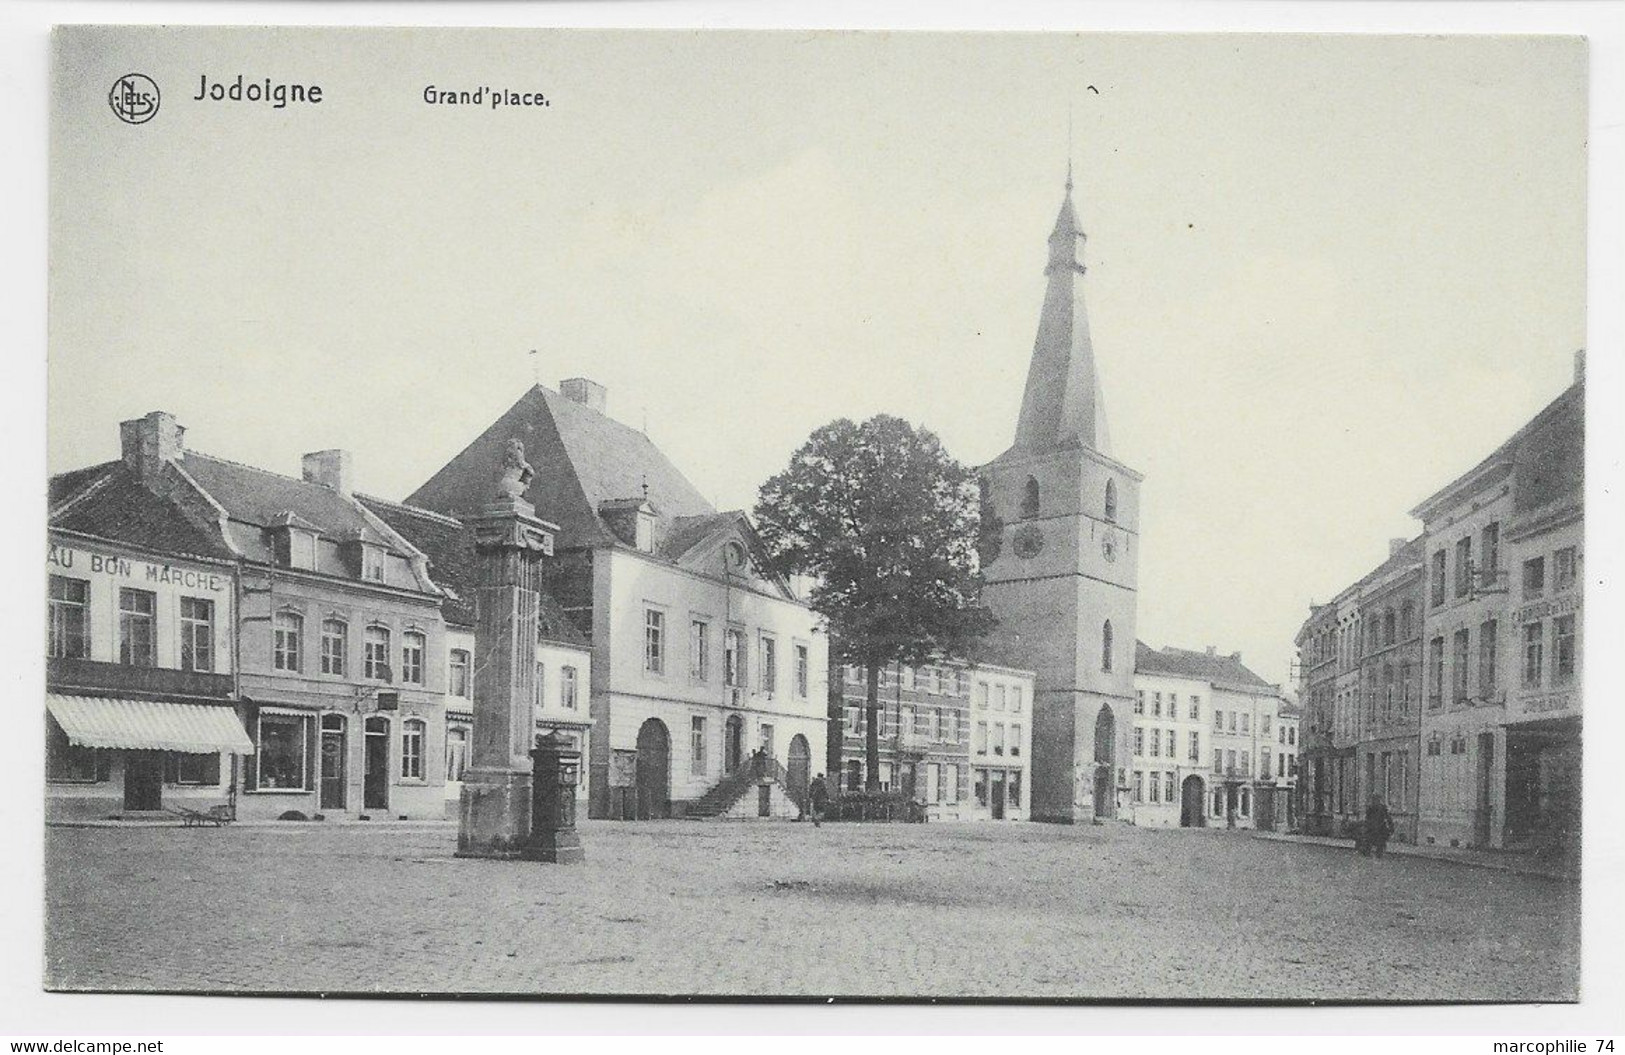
1062	406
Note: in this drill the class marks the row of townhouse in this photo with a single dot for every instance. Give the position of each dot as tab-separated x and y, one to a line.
1214	743
954	736
1447	681
220	635
1361	662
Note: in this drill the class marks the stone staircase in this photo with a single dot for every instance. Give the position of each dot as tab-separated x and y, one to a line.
727	792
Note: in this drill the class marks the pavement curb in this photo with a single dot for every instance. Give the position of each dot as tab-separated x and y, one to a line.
1405	850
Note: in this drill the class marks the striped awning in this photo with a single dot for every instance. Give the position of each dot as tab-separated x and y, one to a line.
149	725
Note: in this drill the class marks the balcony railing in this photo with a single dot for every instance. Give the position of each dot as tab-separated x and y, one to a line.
70	675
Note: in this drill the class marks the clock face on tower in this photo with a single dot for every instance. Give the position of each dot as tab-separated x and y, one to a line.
1028	541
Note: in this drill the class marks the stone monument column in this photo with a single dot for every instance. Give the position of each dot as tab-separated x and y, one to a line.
510	543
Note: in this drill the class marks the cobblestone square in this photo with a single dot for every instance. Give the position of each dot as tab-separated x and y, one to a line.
1016	911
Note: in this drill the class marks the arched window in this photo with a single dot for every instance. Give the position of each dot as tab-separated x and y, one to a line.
1390	627
1111	501
288	631
1029	498
1106	646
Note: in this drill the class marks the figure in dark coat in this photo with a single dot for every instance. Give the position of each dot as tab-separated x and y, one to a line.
1379	825
818	796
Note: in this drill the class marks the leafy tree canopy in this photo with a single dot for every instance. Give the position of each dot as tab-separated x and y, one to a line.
888	525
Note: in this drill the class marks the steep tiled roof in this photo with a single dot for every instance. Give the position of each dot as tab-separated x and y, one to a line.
1408	554
449	545
1186	663
260	497
687	532
107	501
1569	404
582	458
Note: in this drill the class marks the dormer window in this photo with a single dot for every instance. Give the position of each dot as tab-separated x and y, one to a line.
363	559
295	547
632	520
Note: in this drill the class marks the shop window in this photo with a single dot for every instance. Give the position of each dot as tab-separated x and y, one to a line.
282	757
69	763
1168	787
412	737
1012	790
69	621
183	768
981	788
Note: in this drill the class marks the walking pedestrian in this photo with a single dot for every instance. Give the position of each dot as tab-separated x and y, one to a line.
818	795
1379	825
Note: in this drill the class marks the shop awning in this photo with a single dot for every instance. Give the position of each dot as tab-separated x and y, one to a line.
149	725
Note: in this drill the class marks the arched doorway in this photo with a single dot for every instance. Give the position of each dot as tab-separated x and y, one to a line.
1191	800
733	743
653	771
800	767
1105	760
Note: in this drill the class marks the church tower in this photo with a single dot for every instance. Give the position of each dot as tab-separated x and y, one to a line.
1063	579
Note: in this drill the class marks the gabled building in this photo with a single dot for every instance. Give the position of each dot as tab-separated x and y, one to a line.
701	657
140	652
1063	574
333	630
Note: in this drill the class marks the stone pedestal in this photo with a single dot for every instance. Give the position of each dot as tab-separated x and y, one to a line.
555	847
510	544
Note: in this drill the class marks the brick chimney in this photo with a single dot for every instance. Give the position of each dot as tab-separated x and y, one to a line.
587	393
147	443
328	468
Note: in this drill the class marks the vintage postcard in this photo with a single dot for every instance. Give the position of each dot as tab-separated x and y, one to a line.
802	515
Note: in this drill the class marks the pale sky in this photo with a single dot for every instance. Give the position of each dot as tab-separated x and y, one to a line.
1326	274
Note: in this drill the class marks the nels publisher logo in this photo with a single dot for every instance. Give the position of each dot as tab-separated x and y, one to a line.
134	98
